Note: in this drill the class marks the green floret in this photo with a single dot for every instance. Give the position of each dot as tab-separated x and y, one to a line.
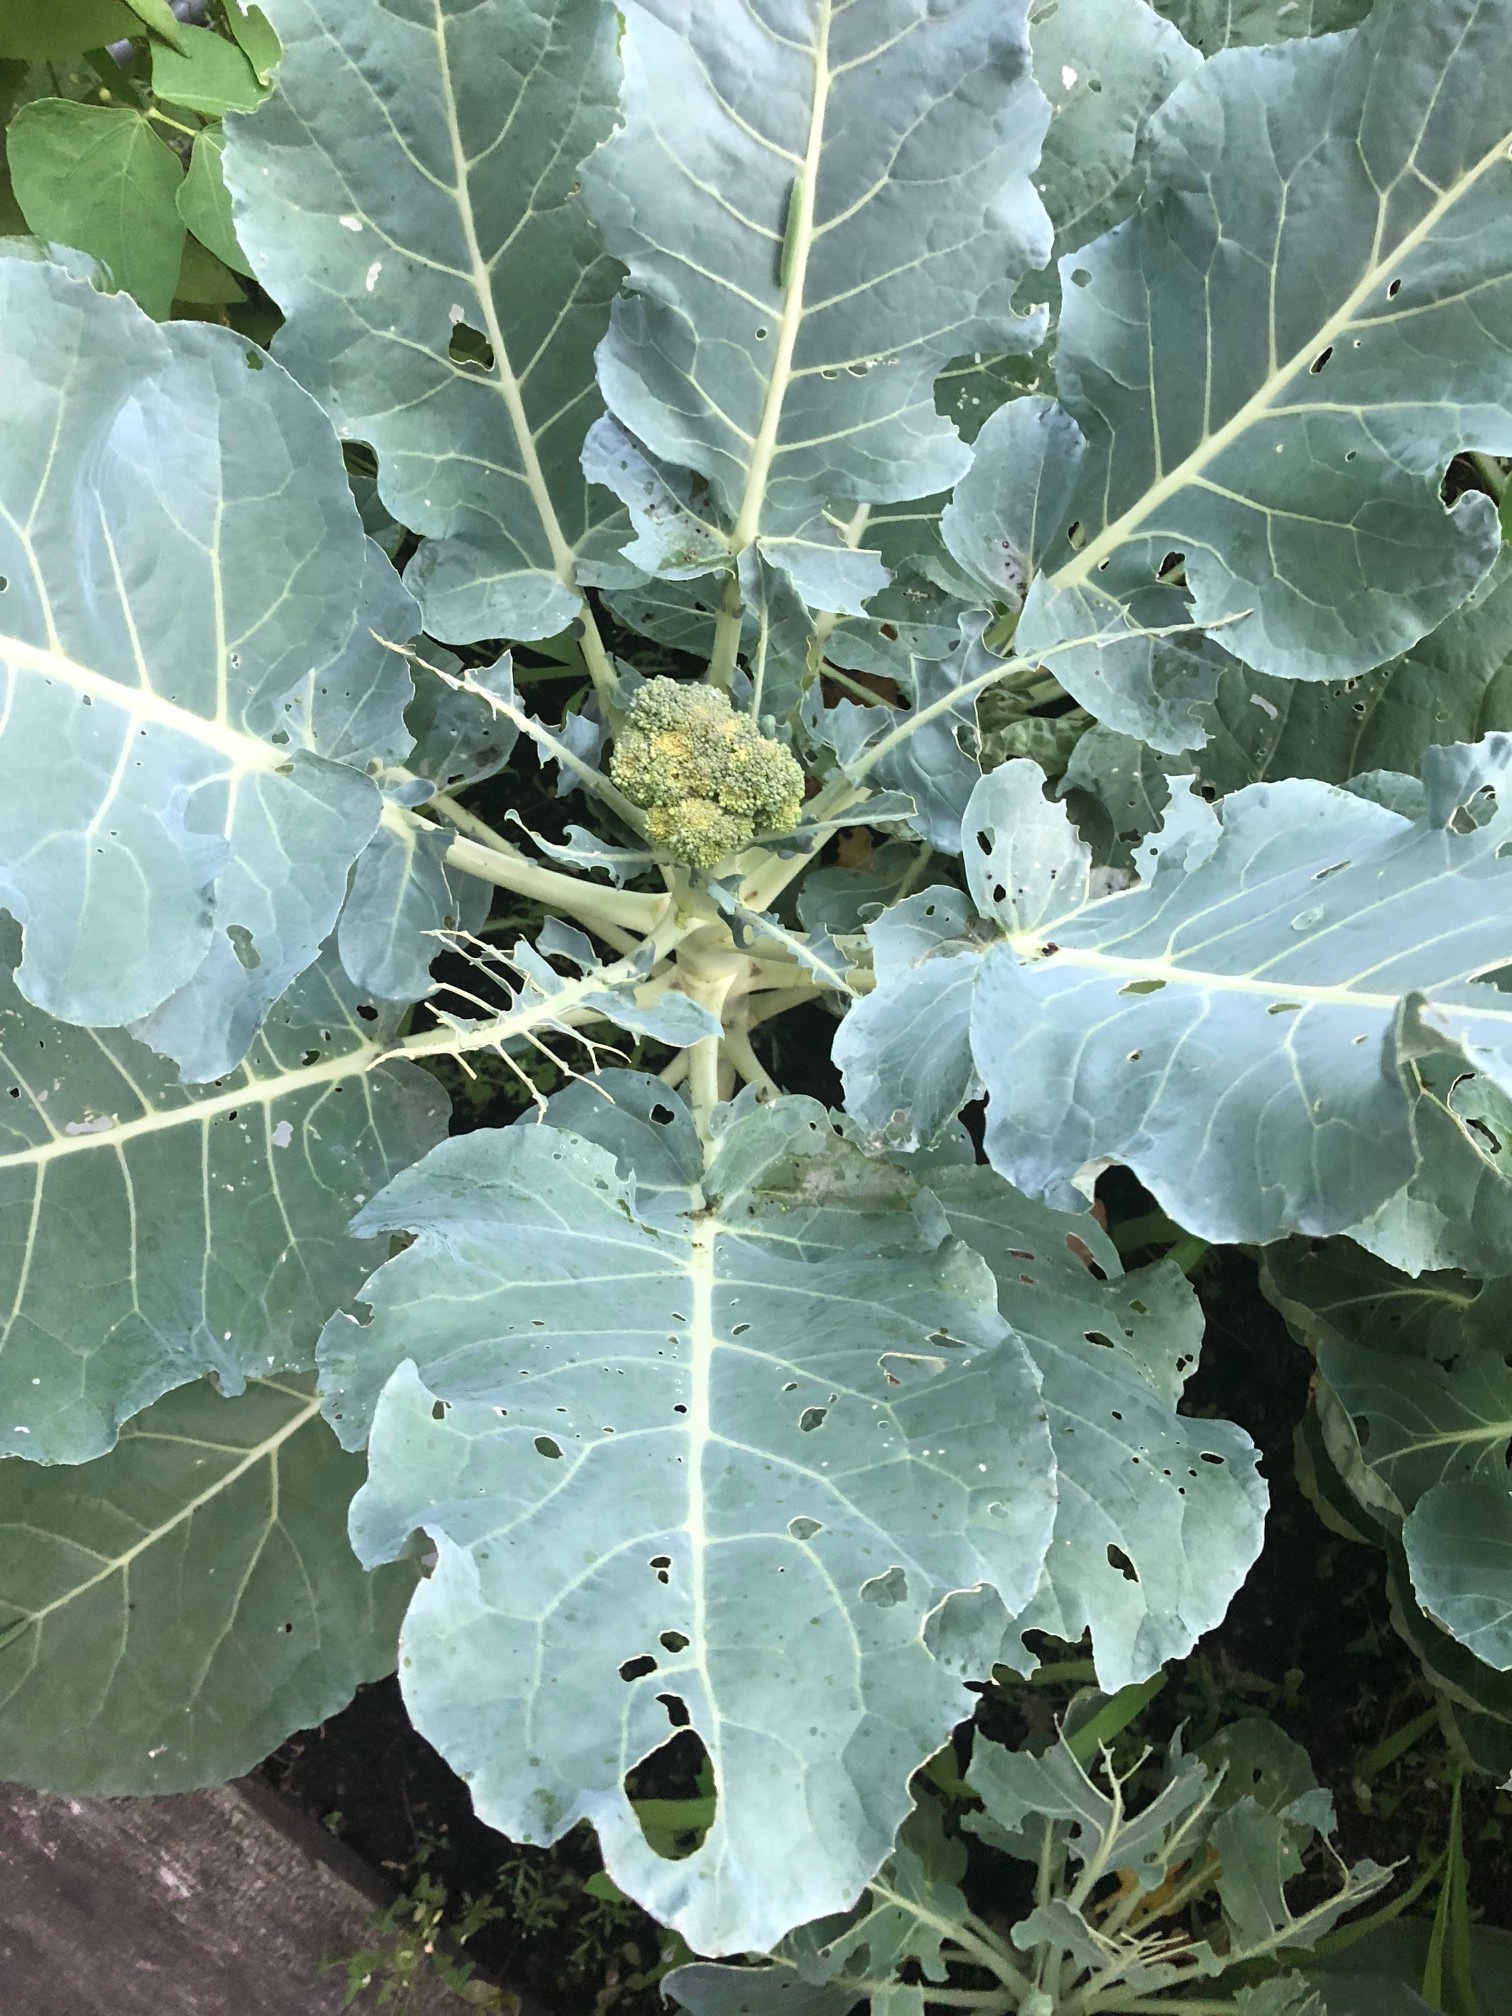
707	777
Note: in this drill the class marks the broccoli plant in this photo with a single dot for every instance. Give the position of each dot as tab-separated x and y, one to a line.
1009	499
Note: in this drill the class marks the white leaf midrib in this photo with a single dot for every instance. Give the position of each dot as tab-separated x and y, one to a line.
564	1008
244	752
790	322
509	385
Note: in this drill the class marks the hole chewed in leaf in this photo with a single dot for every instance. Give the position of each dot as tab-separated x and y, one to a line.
470	348
672	1792
241	944
886	1590
1119	1560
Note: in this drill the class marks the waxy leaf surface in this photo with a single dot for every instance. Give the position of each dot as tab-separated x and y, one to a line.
1215	25
174	1610
407	196
1275	359
1105	66
1416	1416
1158	1518
729	1454
184	648
151	1232
819	205
1237	1028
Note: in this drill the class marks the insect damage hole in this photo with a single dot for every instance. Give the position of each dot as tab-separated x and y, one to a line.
469	348
673	1792
886	1590
1119	1560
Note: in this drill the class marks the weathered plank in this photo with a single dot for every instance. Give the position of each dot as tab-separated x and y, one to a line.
220	1903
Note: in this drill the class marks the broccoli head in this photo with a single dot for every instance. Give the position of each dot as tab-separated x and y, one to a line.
708	780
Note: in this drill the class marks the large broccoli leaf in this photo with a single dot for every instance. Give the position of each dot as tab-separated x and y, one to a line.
720	1461
190	674
819	208
151	1232
1331	1292
408	197
1276	357
173	1610
1239	1028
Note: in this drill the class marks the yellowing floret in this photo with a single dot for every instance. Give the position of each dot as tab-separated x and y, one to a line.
706	776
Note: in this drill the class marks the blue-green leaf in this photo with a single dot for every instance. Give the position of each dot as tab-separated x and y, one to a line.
818	211
406	195
1106	66
924	748
155	1232
174	1610
1158	1518
1237	1029
182	807
1215	25
401	900
1284	426
732	1453
1013	501
1459	1554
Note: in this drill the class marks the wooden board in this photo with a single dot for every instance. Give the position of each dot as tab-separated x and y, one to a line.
221	1903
